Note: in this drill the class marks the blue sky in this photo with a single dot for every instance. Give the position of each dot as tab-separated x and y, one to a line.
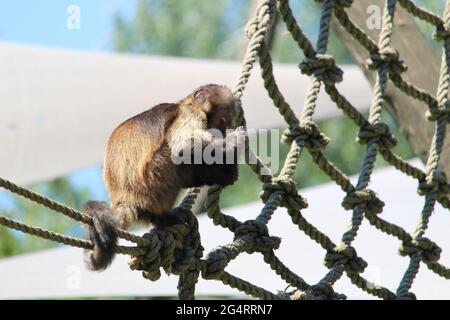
43	22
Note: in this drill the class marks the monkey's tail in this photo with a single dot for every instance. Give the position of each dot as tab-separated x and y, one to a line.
103	234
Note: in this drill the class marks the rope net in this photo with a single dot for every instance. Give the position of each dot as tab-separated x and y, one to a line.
177	249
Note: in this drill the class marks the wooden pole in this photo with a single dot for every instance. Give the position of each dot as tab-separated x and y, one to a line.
423	71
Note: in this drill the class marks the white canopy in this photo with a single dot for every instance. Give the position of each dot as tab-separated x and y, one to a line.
58	107
61	273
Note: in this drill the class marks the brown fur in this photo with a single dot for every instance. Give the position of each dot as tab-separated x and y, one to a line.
139	173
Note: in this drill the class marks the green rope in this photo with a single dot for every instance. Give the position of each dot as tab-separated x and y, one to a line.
177	249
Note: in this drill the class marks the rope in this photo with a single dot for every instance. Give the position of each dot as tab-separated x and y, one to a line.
177	249
69	212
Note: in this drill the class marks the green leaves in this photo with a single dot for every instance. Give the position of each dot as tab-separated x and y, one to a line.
183	28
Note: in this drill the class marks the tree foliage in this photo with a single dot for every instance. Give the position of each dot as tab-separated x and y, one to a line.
190	28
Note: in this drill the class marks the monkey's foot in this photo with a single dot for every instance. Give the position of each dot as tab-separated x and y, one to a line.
173	217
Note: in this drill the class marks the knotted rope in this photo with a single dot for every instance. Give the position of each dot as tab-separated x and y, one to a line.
177	249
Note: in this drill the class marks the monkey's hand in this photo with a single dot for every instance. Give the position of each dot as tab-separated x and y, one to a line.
103	234
181	144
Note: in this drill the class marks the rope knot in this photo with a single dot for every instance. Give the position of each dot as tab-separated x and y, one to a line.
439	113
430	251
306	135
259	234
378	132
288	188
216	261
367	198
436	182
441	33
347	256
260	20
323	66
251	228
320	291
158	254
169	248
389	57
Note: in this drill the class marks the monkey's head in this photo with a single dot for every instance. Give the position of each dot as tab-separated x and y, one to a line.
218	104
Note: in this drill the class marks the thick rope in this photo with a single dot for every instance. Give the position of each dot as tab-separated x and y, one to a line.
177	249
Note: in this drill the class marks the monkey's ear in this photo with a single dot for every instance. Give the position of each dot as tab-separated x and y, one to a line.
201	98
199	95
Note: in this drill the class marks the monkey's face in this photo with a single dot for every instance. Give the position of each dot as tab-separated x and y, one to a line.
219	105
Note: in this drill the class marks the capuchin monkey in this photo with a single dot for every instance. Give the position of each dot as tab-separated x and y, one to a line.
140	173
